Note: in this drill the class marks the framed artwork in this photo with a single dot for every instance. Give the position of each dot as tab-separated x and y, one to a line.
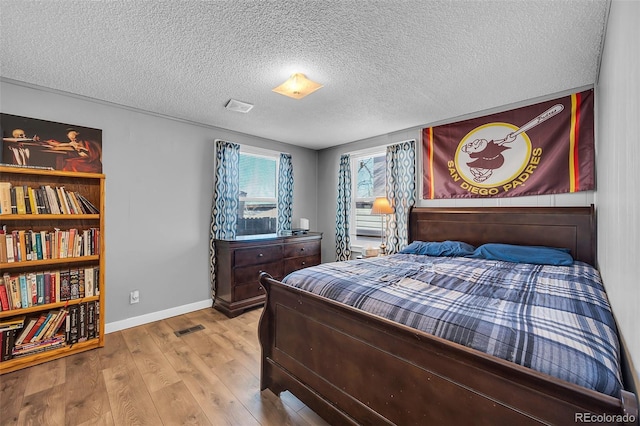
30	142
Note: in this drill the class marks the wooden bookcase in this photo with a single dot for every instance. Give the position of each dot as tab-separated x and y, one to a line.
92	187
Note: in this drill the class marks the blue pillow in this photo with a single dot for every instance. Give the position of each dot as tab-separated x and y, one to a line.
538	255
444	248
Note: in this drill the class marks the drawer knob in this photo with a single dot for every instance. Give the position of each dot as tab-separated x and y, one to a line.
304	263
260	255
302	249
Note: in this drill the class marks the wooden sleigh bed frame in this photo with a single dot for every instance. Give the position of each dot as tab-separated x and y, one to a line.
352	367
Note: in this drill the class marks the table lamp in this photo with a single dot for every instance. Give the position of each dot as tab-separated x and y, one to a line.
381	206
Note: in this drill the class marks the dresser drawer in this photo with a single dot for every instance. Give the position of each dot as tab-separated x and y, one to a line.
296	263
258	255
309	248
246	291
250	274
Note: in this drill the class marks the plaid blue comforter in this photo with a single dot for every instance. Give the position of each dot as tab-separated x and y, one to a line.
553	319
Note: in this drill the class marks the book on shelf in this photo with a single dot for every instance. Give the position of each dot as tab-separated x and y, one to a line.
56	326
88	206
12	323
82	322
21	208
14	206
14	287
81	283
39	321
51	326
10	249
23	199
65	285
33	203
55	283
18	291
40	288
74	283
43	326
5	303
26	330
38	347
47	287
91	320
22	240
97	317
8	339
5	198
3	246
32	288
96	281
27	201
88	282
43	244
43	200
73	324
24	292
54	206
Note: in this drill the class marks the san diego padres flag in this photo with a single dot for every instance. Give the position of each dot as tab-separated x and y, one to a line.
546	148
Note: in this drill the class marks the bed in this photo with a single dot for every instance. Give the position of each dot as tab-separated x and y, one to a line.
356	367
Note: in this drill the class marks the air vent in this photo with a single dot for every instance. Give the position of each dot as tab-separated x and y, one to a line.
181	333
238	106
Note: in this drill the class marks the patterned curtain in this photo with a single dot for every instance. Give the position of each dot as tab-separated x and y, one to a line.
226	199
343	210
285	193
401	192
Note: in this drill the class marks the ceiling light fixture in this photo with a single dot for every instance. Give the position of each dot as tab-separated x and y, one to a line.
238	106
297	86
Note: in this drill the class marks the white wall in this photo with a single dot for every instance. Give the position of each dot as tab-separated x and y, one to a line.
617	158
158	199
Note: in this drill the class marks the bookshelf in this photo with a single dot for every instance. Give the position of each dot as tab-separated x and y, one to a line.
72	245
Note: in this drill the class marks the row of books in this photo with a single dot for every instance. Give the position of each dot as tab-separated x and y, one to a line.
23	290
51	330
23	245
23	199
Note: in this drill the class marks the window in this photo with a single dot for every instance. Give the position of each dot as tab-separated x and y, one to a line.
370	177
258	207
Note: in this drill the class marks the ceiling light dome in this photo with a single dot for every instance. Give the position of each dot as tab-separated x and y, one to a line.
297	86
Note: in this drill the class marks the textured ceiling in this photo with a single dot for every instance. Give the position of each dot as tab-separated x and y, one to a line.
386	65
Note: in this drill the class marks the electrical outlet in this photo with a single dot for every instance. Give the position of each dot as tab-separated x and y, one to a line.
134	297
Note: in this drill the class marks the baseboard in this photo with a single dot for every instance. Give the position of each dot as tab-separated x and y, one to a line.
156	316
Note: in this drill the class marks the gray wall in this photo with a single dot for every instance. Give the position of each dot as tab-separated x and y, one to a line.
617	158
158	200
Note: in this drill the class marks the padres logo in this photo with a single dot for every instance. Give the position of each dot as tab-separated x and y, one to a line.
497	157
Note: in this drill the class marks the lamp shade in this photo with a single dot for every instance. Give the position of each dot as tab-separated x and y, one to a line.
297	86
381	206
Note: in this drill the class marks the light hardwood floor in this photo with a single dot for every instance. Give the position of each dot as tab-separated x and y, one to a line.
149	376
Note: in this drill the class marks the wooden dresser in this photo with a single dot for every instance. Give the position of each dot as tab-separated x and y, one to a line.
240	261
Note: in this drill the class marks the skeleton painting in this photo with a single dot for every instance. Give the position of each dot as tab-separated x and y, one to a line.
59	146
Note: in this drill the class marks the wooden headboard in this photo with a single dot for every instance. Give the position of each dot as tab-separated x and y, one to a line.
566	227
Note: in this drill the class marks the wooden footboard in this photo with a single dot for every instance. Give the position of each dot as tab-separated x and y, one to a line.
351	367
